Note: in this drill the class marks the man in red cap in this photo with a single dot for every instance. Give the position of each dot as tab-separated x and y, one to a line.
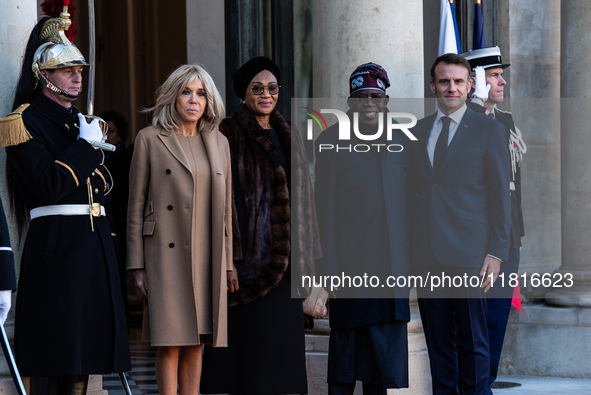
361	201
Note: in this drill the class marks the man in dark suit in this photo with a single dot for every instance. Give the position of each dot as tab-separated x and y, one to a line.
489	91
361	202
460	227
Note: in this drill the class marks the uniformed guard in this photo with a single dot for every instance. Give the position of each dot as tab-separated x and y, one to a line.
488	92
70	320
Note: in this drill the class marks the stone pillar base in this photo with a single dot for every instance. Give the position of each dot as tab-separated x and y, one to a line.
7	386
569	298
579	295
548	341
95	385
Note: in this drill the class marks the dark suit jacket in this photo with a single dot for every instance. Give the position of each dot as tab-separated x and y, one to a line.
517	226
462	213
361	203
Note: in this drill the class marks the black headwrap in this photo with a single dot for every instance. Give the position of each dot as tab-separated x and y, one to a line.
246	73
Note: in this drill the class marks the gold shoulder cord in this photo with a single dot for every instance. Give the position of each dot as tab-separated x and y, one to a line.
94	209
12	128
102	178
59	162
90	202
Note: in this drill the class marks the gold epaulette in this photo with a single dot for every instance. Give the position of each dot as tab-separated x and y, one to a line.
12	128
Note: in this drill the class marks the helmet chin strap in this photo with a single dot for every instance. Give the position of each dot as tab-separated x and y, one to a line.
45	81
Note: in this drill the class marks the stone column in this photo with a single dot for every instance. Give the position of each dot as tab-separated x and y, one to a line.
575	146
348	33
16	20
532	94
205	18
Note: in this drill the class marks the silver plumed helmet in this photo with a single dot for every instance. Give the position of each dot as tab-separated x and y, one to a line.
55	50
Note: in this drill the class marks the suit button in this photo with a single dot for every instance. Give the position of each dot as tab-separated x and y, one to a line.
171	245
435	185
169	207
168	171
96	190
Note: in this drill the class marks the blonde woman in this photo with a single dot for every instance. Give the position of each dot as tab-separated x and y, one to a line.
179	226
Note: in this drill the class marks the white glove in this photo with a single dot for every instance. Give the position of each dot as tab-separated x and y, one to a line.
480	86
90	132
5	303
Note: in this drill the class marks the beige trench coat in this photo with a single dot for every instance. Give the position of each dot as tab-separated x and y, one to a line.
160	231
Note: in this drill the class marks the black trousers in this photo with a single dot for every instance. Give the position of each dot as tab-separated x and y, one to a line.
455	324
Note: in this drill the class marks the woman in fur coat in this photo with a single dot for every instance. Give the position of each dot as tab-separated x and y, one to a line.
275	242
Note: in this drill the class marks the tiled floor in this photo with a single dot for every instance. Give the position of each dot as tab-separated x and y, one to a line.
143	382
141	378
545	386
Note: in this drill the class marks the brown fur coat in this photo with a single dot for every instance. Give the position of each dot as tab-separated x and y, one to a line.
272	220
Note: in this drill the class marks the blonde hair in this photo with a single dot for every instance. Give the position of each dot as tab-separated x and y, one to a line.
164	112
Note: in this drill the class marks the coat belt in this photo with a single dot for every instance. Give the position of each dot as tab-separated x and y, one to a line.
68	209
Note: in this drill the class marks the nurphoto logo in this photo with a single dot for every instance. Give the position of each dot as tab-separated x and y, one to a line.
344	133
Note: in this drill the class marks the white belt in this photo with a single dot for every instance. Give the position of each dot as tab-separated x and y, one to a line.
68	209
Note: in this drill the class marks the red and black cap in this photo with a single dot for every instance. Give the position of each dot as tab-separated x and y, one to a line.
368	76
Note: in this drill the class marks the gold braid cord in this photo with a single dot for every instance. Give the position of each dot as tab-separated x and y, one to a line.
12	128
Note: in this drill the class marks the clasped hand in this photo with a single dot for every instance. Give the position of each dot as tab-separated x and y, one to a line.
92	133
233	285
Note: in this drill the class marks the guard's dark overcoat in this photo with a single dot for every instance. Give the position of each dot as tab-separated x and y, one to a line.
70	318
517	227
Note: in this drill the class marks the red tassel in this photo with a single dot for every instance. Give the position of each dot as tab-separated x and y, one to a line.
516	300
53	9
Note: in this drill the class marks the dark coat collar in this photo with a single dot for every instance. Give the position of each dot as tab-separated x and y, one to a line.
273	224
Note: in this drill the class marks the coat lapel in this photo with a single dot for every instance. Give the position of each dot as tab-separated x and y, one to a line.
171	142
210	141
211	147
